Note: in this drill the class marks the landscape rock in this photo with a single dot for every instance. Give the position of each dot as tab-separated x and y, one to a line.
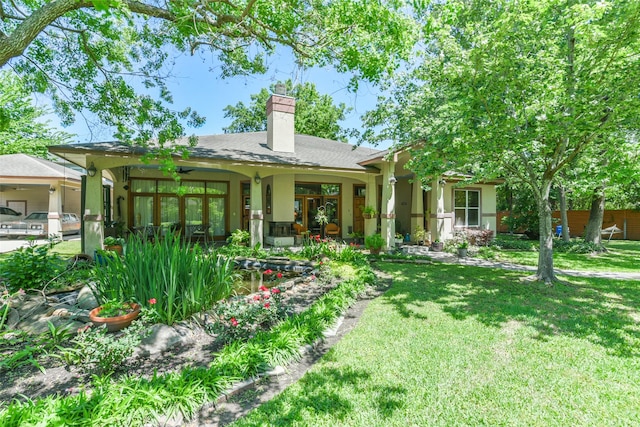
161	338
86	299
12	318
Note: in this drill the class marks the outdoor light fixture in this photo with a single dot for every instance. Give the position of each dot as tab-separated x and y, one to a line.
257	178
91	170
52	190
392	180
442	182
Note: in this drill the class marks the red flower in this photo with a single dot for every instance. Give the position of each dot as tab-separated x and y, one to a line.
152	301
263	288
275	290
266	295
234	322
268	271
256	297
279	275
267	305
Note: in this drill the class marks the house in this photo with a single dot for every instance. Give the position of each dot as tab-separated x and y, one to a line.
31	184
266	182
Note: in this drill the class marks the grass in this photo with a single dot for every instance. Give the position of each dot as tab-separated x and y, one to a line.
621	256
455	345
65	249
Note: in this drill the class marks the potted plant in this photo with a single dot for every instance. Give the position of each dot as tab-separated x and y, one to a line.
357	237
115	315
463	248
437	245
399	239
239	237
115	244
374	243
420	235
369	212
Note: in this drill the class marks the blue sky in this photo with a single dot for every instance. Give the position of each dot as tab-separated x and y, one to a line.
197	84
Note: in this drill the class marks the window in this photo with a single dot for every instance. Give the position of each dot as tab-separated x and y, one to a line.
467	208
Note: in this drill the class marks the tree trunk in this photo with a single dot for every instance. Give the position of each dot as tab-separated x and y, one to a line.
564	220
594	225
545	254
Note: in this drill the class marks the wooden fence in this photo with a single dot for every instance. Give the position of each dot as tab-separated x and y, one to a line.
627	220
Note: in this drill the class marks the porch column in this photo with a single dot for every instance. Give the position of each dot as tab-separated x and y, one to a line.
93	219
54	226
256	219
388	214
417	207
437	201
371	199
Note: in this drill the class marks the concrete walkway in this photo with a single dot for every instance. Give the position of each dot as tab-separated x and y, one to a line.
479	262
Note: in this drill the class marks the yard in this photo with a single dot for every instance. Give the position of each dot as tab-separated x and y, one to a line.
454	345
446	344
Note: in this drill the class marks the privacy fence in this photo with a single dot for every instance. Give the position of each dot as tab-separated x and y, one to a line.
627	220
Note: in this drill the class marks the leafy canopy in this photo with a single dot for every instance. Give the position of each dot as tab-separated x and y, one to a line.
518	90
91	55
316	114
22	127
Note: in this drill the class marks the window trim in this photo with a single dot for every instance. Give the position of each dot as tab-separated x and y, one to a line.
466	208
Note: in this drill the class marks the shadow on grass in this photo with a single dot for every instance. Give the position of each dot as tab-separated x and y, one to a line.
319	393
605	312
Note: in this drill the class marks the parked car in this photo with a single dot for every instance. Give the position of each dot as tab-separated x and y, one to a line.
36	224
8	214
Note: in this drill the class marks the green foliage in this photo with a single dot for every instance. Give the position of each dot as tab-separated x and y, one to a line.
239	237
113	241
31	267
374	241
112	47
135	401
511	242
521	108
181	279
95	350
232	251
577	246
315	113
22	128
239	318
314	247
349	254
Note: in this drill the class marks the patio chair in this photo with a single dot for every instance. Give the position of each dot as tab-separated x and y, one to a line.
332	230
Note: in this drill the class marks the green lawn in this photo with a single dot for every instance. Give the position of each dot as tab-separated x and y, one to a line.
454	345
65	249
622	256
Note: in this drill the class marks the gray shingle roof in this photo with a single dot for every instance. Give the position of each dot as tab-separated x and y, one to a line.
252	147
23	165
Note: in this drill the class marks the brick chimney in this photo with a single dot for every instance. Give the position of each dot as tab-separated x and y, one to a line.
280	120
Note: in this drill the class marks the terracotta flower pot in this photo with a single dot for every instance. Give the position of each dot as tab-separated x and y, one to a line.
115	323
115	248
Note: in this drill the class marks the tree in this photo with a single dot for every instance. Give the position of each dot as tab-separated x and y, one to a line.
518	90
316	114
22	129
88	54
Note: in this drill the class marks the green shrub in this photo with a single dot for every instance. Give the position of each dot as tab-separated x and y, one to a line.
94	350
239	318
508	242
374	241
179	276
577	246
239	237
31	267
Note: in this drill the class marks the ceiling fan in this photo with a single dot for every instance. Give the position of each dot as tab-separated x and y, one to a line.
181	170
